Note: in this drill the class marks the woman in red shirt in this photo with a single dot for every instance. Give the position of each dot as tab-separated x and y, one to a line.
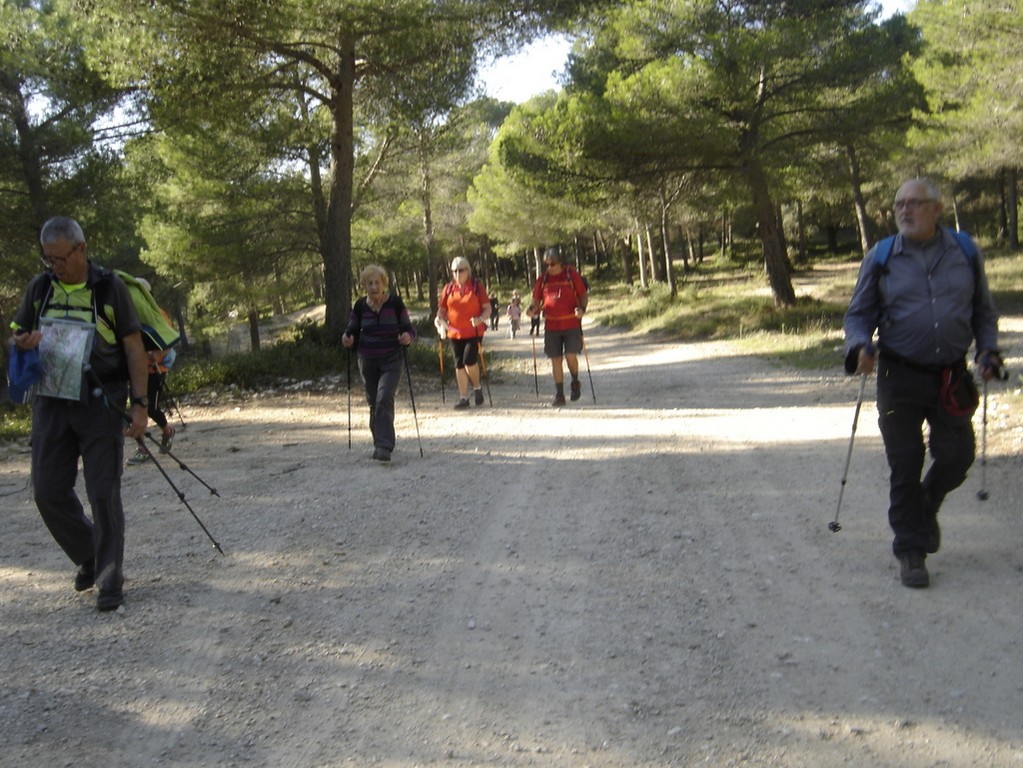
462	314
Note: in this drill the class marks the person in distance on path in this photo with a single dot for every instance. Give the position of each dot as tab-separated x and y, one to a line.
928	302
561	295
85	418
378	327
514	315
462	314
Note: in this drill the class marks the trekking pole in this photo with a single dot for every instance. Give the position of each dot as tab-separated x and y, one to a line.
179	492
348	374
100	391
184	467
833	526
536	378
586	357
412	397
172	402
998	372
982	494
483	366
440	364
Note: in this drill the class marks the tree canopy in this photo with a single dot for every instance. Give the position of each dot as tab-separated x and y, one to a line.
255	155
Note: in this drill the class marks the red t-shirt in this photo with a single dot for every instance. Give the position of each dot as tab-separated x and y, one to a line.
558	296
463	303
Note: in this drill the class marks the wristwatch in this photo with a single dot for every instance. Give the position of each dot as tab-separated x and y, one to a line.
143	401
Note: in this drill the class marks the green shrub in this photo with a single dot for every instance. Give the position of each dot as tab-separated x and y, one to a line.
15	421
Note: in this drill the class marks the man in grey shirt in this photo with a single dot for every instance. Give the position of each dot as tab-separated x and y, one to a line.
928	301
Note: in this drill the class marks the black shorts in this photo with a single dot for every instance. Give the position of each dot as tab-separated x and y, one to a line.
466	351
561	343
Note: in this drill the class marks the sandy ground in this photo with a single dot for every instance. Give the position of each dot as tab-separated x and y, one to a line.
647	580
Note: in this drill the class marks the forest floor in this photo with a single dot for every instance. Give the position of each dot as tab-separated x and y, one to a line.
644	580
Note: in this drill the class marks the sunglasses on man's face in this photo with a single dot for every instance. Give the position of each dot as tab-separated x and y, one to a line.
460	269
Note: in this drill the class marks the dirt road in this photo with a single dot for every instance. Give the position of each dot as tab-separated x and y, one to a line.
647	580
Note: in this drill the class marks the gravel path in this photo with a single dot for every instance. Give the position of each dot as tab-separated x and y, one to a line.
647	580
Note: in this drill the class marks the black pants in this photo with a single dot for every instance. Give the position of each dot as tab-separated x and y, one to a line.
906	398
62	431
381	377
154	393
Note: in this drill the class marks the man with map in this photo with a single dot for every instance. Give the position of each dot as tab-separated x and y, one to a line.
81	319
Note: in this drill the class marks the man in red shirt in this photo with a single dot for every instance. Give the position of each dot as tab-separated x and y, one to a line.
560	294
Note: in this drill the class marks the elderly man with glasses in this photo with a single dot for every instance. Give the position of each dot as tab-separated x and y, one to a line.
81	319
927	298
561	294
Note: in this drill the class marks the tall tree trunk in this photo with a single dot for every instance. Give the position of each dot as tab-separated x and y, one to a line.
669	273
337	240
625	250
801	233
1012	190
643	283
779	217
776	263
859	203
29	156
253	319
656	267
425	191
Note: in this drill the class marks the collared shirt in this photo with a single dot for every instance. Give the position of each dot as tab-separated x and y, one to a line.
928	303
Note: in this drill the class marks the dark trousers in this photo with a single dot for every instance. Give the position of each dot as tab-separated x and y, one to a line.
63	431
381	377
906	398
154	393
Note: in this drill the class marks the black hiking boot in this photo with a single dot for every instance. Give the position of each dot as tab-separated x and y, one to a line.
109	600
86	576
576	390
913	572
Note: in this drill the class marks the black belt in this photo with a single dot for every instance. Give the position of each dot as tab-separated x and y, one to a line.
889	356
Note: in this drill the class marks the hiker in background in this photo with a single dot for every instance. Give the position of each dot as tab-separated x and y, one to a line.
159	363
514	314
78	411
561	295
928	300
495	312
534	324
378	327
462	314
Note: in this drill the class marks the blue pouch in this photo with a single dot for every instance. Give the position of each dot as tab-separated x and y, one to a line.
23	371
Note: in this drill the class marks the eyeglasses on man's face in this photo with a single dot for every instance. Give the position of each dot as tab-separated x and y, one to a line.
912	203
52	259
460	269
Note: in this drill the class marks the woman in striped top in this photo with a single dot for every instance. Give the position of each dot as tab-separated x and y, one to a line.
378	328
